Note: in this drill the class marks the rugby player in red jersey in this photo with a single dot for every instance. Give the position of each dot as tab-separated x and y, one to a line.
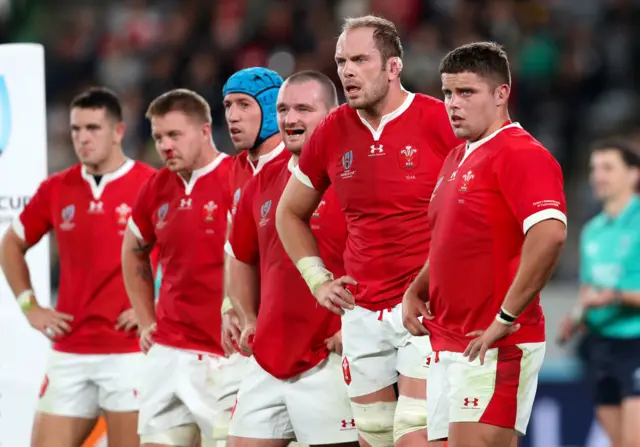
93	368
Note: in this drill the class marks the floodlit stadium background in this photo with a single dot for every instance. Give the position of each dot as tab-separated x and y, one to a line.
575	65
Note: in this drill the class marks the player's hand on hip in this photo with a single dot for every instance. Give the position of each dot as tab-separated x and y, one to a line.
146	337
483	340
334	343
127	321
231	331
246	338
49	321
334	295
414	307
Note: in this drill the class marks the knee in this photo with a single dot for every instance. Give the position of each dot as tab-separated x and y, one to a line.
181	436
410	416
375	422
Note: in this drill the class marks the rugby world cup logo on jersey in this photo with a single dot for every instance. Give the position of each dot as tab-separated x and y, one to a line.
347	163
162	214
264	212
408	157
236	199
5	115
68	213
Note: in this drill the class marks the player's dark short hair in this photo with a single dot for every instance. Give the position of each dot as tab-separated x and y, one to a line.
329	93
181	100
486	59
385	34
99	98
629	154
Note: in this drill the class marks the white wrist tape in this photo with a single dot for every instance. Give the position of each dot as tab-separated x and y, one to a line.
314	272
227	305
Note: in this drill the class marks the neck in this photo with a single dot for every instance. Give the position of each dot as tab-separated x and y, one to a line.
109	165
295	158
502	118
388	104
614	206
267	146
207	156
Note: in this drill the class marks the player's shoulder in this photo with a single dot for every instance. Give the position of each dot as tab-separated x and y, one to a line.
70	176
517	142
159	177
141	169
273	170
427	103
336	119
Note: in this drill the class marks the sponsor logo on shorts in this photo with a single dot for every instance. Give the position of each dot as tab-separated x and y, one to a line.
471	402
44	386
346	371
347	424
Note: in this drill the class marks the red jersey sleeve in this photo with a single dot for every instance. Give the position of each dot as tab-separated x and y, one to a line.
36	220
444	140
140	222
531	182
243	239
312	169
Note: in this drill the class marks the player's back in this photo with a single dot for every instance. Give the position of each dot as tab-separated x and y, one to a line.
88	219
384	179
189	222
480	213
291	326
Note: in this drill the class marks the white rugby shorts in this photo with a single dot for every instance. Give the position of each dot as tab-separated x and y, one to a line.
376	347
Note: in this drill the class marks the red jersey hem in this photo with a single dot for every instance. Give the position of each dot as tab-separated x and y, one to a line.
297	371
458	343
96	349
378	306
190	346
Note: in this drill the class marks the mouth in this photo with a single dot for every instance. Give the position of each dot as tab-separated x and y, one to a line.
456	120
234	131
352	90
295	132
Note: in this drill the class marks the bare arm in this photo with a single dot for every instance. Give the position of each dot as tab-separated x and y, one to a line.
420	284
138	277
540	253
13	262
244	289
296	206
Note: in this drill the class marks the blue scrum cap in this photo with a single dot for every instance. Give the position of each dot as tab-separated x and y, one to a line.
262	85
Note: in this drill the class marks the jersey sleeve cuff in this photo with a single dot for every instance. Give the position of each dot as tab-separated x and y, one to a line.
536	218
18	228
302	177
134	229
228	249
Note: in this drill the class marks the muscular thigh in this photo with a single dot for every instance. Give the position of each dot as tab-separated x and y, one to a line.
60	431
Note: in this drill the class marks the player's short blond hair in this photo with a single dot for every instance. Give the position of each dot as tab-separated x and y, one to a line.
180	100
385	34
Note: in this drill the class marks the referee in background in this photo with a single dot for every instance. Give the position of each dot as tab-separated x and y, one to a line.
609	299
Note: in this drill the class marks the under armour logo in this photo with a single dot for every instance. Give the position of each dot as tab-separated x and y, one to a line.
379	149
95	207
185	203
471	402
347	424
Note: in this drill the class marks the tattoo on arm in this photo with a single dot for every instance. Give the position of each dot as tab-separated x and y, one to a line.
141	247
144	272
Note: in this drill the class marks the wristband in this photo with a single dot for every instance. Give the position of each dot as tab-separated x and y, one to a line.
313	272
24	300
227	305
506	317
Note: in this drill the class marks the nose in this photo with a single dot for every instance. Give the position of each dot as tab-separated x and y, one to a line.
291	117
232	114
348	69
83	136
164	145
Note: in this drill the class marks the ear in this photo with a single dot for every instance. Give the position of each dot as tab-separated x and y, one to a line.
502	94
206	130
120	129
394	68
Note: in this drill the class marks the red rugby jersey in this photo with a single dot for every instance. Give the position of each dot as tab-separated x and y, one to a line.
384	179
89	221
489	194
188	221
291	326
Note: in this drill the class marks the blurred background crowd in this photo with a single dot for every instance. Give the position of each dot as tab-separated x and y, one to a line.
575	63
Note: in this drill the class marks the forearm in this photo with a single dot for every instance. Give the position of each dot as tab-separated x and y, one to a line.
296	236
14	264
631	299
540	253
420	283
138	279
244	289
